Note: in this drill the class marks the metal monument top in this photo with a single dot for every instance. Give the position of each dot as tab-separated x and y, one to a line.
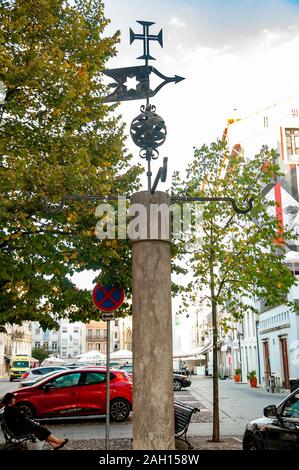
148	130
146	38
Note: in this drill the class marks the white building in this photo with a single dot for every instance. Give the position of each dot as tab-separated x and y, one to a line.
66	342
48	339
71	339
270	341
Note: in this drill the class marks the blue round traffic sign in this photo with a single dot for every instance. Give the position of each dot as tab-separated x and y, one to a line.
108	298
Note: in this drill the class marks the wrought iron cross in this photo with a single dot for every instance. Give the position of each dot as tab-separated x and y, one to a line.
146	38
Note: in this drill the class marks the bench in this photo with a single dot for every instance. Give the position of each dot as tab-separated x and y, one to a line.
182	417
11	440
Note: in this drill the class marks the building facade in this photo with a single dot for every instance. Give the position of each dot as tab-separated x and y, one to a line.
71	339
16	340
48	339
96	336
269	342
125	333
66	342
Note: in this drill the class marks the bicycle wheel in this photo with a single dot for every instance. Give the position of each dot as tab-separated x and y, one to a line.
272	386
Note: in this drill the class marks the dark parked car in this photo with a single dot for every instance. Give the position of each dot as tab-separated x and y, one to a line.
278	429
180	381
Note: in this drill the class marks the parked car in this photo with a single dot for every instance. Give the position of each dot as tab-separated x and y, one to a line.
78	392
38	371
180	381
128	368
36	378
278	429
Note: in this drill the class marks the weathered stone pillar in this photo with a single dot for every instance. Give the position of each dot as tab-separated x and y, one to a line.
153	416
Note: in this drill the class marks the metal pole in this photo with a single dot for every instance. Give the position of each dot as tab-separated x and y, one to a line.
149	174
239	335
108	385
258	349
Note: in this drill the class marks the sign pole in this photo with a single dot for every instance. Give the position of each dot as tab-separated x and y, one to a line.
107	299
108	385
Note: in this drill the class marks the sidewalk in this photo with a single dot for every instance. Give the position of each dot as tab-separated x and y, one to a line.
198	443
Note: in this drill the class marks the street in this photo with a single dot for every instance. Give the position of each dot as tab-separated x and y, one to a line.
239	403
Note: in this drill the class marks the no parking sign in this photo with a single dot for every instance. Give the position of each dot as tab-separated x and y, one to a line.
108	298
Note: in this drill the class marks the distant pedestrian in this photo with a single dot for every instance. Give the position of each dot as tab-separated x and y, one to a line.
20	424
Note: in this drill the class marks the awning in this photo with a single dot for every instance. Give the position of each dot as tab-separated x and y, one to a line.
209	347
195	358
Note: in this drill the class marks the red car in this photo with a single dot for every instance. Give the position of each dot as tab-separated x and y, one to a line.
77	392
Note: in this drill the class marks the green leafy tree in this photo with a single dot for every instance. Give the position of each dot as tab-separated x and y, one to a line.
235	257
57	139
40	354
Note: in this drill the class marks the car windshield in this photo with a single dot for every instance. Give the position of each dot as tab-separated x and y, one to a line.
20	364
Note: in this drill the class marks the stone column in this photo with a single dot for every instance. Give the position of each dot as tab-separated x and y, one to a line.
153	415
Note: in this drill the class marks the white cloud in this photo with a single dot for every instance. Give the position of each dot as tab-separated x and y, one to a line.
174	21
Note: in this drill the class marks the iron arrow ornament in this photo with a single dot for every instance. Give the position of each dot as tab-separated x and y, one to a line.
141	74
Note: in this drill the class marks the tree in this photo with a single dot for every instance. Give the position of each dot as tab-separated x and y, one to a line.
57	139
235	257
40	354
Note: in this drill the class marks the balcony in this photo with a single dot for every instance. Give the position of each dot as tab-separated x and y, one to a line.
18	335
93	339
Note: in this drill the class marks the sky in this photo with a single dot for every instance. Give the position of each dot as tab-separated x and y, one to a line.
237	57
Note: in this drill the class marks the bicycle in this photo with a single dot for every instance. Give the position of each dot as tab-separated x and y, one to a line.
271	386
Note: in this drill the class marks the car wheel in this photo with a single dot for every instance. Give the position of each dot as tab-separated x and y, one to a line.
27	409
177	385
119	410
250	444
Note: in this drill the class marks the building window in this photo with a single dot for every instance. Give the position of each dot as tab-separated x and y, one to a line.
54	345
292	141
63	354
89	333
98	333
76	342
64	342
115	334
37	344
89	346
46	345
64	329
116	323
76	329
98	346
104	334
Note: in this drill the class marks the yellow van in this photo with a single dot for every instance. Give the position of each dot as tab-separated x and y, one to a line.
19	365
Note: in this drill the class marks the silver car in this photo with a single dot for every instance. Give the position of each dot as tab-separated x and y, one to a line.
38	372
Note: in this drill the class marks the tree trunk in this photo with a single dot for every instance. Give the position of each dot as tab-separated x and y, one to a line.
216	431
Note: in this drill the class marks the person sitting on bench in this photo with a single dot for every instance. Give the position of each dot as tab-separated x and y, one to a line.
20	424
